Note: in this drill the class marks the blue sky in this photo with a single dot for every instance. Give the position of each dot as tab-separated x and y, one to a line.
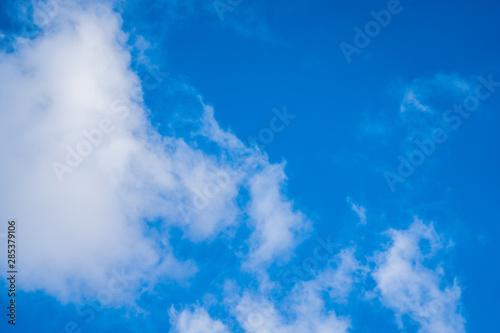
223	166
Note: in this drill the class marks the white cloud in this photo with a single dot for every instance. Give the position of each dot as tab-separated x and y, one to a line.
305	312
403	284
303	308
278	227
421	93
359	210
74	81
410	99
276	224
53	88
340	281
196	321
409	288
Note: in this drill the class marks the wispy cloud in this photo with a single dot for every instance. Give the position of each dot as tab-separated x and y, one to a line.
410	288
359	210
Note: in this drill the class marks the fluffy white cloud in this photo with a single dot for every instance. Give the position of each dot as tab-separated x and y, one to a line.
196	321
409	288
303	308
57	89
87	175
305	312
276	224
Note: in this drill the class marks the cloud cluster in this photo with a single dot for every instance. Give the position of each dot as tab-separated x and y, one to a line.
96	188
410	288
404	283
